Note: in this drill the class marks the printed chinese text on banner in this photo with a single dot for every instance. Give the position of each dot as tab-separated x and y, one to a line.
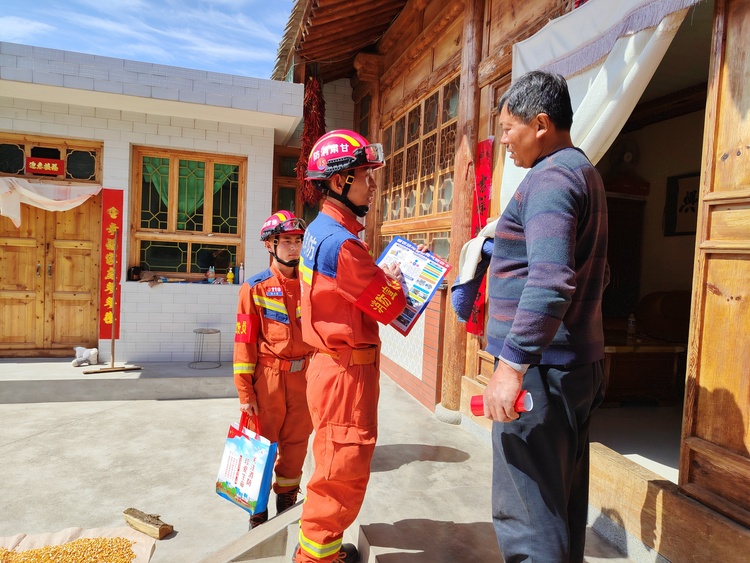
109	275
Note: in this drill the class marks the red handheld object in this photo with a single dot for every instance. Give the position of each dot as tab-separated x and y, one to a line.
524	403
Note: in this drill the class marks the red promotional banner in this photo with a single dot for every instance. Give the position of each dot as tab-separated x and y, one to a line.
479	216
111	260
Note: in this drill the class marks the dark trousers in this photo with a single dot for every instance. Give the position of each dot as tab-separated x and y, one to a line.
540	479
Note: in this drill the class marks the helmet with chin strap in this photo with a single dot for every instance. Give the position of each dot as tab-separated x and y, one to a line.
339	151
282	223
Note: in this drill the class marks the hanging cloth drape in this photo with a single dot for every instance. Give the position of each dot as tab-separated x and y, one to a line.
52	197
608	52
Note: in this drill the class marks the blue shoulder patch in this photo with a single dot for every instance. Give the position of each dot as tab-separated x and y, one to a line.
259	277
322	242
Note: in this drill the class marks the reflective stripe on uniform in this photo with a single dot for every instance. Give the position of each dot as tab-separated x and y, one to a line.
244	368
317	550
270	304
305	271
283	482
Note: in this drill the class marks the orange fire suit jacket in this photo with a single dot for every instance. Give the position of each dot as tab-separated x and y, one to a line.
351	294
268	323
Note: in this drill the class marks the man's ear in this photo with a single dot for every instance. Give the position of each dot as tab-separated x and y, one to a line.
543	124
336	183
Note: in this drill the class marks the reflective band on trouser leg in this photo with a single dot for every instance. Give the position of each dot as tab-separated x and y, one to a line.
344	406
286	483
319	551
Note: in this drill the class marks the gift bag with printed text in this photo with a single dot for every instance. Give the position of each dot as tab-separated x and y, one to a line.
246	469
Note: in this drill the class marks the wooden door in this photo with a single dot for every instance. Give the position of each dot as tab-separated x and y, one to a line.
715	454
72	274
49	281
22	281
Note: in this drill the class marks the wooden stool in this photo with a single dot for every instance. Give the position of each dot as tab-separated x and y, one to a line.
198	361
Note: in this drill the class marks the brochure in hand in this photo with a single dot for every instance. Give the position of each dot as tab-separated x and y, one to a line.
423	272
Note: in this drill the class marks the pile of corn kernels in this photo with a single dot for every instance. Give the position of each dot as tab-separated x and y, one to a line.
84	550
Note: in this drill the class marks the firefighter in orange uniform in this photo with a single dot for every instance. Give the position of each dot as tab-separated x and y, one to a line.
344	296
271	358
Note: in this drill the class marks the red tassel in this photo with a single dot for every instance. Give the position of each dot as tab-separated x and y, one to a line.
314	126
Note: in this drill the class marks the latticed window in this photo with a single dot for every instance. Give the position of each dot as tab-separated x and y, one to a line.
50	159
187	211
416	197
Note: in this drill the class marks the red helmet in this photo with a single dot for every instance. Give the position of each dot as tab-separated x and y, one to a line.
282	223
341	150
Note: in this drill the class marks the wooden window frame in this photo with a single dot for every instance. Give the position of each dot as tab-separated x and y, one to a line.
61	144
171	234
425	227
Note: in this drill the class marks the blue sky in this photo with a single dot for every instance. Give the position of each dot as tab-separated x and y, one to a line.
233	36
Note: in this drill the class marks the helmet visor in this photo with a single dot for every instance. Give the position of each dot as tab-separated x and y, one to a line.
370	154
294	224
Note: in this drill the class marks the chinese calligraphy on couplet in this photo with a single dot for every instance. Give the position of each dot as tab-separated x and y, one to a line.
111	264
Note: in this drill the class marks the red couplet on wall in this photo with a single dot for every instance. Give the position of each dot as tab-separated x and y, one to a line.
110	265
479	215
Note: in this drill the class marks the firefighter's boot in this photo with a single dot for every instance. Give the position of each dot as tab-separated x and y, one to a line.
286	500
257	519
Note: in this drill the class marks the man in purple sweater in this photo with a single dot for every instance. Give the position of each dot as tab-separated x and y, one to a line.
545	283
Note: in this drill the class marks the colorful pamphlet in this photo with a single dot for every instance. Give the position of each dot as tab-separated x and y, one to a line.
423	273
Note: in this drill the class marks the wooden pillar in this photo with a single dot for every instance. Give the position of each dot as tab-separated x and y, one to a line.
369	68
454	351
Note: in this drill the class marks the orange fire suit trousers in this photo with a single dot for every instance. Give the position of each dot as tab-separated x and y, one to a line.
284	418
343	403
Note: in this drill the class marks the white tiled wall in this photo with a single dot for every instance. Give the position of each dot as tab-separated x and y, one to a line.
38	65
339	109
406	351
157	323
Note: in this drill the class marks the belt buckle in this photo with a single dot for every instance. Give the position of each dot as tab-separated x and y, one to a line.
297	365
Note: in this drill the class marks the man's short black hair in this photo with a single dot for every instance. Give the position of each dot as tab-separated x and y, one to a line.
539	92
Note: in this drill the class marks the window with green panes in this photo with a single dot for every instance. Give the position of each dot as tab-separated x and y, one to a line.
189	212
416	195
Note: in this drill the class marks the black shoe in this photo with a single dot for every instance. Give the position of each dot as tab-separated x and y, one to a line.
285	501
347	554
258	519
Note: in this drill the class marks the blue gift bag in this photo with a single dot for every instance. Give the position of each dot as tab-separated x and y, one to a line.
246	469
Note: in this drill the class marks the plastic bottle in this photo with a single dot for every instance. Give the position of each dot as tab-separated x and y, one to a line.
631	328
211	274
524	403
242	274
230	276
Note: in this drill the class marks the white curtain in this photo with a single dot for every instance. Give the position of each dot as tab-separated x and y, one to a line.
608	51
52	197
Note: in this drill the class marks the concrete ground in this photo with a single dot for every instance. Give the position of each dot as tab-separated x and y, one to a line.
78	449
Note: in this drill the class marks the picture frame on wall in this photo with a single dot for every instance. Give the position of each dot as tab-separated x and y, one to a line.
681	207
